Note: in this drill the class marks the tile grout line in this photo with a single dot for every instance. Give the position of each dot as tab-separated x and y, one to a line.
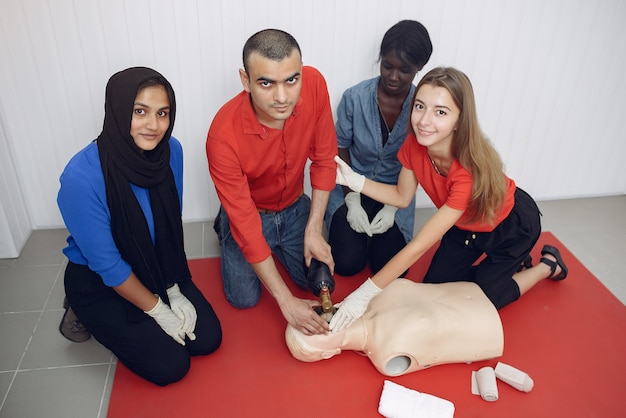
71	366
106	382
19	364
6	394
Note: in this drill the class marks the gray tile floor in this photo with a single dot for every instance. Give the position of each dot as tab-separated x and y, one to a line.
44	375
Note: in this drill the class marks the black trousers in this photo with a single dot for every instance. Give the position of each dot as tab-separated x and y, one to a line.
353	250
504	248
137	340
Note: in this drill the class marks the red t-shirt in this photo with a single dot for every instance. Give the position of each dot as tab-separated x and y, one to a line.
253	166
454	190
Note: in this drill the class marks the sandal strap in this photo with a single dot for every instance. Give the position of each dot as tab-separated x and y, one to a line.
548	249
551	264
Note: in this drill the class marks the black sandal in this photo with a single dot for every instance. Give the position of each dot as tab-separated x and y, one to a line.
526	264
548	249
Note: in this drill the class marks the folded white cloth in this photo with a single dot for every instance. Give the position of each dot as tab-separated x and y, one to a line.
397	401
484	384
514	377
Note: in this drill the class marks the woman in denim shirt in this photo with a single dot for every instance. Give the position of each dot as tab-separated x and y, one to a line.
372	123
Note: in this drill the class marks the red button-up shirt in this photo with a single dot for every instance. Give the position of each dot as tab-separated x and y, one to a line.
255	167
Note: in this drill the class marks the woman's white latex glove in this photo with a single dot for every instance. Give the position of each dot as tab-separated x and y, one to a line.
354	305
347	177
183	309
357	217
384	219
168	321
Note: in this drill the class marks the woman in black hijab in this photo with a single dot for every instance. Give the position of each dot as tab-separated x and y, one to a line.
127	278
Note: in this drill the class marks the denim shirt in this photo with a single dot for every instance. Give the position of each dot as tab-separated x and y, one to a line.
358	129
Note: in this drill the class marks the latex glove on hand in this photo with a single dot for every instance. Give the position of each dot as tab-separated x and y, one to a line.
384	219
183	309
354	305
347	177
168	321
357	217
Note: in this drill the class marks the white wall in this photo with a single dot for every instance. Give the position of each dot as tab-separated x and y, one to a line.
15	224
548	77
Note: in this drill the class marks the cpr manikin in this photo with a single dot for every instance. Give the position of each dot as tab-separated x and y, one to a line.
411	326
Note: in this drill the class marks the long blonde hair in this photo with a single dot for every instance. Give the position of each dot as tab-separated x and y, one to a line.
471	147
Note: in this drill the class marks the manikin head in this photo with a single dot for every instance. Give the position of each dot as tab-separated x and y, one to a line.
316	347
312	347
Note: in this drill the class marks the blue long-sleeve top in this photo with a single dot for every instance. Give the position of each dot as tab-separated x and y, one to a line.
359	130
83	204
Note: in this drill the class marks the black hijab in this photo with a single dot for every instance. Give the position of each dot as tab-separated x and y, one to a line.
160	264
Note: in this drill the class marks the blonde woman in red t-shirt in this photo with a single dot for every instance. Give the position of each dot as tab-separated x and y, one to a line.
480	210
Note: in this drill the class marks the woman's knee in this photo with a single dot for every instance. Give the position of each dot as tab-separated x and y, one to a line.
501	297
170	371
346	267
160	361
206	343
208	335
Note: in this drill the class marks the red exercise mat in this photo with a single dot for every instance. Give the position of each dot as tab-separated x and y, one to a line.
569	336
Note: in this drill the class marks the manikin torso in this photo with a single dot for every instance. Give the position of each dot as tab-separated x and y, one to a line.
411	326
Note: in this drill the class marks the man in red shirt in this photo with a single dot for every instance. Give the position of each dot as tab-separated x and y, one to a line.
257	147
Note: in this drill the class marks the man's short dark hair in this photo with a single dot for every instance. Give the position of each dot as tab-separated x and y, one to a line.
274	44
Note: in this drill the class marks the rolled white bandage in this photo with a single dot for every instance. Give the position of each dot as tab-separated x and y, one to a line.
514	377
484	384
396	401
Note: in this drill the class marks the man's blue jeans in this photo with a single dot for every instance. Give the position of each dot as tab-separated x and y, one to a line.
284	233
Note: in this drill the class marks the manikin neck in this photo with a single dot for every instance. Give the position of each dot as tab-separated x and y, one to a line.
355	336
